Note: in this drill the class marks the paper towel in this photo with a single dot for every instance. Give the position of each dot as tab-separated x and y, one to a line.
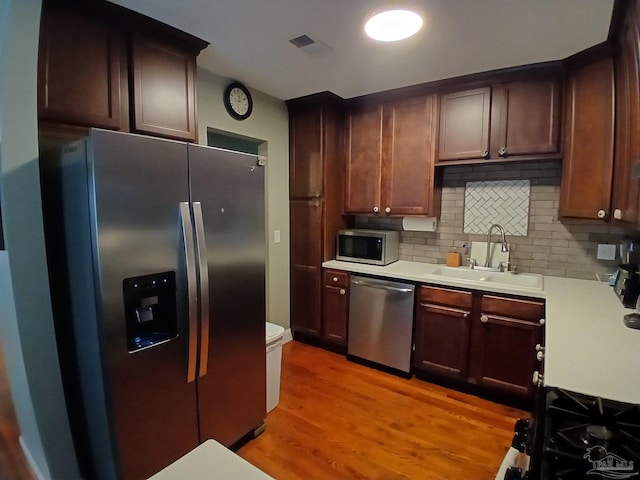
420	224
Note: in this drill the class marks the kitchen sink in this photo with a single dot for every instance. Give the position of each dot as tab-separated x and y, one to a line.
459	273
521	280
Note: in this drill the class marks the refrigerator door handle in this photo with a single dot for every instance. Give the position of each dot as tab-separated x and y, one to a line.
203	268
192	292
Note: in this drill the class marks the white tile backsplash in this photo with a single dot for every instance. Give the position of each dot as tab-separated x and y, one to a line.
500	201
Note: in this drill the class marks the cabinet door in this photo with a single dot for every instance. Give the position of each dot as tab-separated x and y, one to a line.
505	335
529	114
80	66
408	157
306	260
442	340
587	169
625	188
335	310
306	155
506	358
464	125
163	89
364	160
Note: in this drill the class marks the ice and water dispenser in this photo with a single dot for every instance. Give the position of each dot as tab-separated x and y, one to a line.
150	309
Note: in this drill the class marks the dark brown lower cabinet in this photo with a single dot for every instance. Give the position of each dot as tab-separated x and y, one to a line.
305	300
488	340
306	270
442	332
504	340
335	307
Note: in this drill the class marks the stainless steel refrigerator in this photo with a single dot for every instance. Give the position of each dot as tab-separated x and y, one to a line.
157	265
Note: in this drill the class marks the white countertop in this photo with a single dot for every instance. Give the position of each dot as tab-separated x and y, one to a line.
211	461
588	348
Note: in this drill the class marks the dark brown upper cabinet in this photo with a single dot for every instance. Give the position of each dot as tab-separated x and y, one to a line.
364	160
101	65
516	120
306	156
464	125
587	169
390	159
527	114
163	89
81	65
627	148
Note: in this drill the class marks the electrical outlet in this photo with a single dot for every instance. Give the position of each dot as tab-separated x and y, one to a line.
606	252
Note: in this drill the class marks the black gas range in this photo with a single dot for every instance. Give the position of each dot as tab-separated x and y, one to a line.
575	436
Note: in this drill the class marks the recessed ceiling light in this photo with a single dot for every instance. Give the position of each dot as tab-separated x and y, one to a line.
393	25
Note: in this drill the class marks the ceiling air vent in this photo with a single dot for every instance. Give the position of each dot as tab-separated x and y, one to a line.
309	45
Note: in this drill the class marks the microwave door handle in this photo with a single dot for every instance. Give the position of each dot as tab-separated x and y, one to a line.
201	249
192	295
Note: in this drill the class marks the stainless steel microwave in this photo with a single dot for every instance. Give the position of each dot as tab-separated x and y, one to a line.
375	247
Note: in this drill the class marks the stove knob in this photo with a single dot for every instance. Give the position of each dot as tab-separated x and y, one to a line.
537	379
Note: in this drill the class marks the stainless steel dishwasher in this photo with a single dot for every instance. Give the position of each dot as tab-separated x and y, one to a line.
381	321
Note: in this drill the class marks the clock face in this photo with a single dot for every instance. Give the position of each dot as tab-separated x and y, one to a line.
237	101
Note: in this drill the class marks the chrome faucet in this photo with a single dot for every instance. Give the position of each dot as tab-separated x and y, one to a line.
505	247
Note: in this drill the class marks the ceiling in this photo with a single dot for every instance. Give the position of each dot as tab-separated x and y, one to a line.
249	40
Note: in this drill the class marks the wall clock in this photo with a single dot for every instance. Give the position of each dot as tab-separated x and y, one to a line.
238	101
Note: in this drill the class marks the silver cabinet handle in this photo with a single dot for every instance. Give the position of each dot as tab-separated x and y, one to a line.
539	348
602	213
485	154
502	151
542	321
201	249
381	287
465	315
376	209
617	214
540	356
484	318
192	295
335	279
387	210
343	291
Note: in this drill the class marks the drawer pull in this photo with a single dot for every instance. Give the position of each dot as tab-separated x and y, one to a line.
484	318
343	291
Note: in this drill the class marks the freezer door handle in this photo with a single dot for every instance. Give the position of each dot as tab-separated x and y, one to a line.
192	292
203	269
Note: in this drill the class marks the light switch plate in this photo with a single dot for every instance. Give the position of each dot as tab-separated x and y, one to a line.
606	252
276	236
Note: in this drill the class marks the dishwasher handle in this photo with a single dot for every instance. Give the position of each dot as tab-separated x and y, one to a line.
381	286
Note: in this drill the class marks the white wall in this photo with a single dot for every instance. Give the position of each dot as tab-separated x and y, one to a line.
26	319
269	122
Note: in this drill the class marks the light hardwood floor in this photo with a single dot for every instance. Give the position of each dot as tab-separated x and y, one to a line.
340	420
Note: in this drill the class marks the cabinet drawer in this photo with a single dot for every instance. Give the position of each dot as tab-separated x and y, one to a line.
336	278
532	310
445	296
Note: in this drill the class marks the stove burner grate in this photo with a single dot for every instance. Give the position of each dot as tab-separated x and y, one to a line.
589	436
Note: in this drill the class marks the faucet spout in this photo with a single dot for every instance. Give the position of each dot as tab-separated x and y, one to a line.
505	247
